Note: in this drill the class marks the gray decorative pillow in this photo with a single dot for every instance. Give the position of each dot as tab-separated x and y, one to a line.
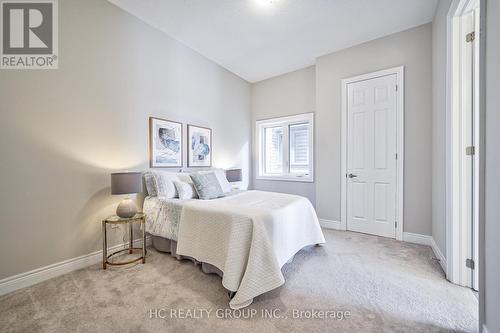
221	176
207	185
186	190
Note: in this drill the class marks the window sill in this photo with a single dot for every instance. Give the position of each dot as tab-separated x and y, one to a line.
287	179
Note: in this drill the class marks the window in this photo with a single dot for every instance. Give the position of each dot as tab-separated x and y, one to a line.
274	150
286	148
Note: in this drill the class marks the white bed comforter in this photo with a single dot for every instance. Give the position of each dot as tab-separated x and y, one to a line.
249	236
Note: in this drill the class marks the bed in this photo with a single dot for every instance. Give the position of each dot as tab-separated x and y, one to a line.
246	236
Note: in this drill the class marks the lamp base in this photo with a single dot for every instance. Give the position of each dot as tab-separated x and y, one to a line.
126	208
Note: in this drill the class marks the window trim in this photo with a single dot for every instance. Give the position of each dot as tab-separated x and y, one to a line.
260	126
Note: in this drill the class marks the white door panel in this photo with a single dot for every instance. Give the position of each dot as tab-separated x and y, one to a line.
371	156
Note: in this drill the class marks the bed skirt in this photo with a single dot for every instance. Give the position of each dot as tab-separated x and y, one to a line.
170	246
162	244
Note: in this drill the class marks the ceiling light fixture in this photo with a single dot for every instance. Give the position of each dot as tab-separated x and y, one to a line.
266	2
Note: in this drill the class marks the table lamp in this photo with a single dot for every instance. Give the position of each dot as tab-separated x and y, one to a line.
233	175
126	183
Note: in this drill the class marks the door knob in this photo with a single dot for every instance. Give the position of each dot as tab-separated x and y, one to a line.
352	176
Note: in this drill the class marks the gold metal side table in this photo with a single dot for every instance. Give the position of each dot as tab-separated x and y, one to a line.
138	218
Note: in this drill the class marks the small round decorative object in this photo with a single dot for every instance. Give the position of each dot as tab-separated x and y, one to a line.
126	208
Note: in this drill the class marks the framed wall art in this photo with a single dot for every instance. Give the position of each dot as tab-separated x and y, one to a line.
199	146
165	143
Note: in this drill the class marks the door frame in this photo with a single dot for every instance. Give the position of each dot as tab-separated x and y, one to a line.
399	71
456	232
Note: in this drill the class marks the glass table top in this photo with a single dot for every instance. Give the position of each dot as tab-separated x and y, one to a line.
115	218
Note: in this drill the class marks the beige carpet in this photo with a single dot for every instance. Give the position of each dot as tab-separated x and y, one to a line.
385	285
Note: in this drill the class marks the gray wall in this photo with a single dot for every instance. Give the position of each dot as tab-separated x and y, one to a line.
439	124
411	48
292	93
285	95
492	177
63	131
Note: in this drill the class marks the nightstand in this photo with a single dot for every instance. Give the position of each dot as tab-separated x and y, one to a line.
137	218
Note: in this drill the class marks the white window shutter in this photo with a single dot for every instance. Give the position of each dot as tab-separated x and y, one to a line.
274	150
286	148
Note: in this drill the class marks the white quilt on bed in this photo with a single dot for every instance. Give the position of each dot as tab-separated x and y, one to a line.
249	236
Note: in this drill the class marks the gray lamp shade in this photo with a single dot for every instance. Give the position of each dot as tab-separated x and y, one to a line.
126	182
233	175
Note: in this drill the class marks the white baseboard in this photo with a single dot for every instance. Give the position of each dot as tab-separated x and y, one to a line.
38	275
329	224
407	237
417	238
429	241
439	255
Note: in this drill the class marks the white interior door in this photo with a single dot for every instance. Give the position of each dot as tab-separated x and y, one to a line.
371	156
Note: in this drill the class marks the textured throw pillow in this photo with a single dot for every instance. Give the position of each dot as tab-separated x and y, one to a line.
221	177
207	185
185	190
164	184
149	180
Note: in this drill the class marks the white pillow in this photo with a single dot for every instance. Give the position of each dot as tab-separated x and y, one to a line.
184	177
221	177
164	184
186	190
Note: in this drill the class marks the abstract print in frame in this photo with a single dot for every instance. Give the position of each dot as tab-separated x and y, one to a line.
165	143
199	146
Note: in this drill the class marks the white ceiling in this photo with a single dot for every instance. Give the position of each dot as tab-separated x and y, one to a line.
259	39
